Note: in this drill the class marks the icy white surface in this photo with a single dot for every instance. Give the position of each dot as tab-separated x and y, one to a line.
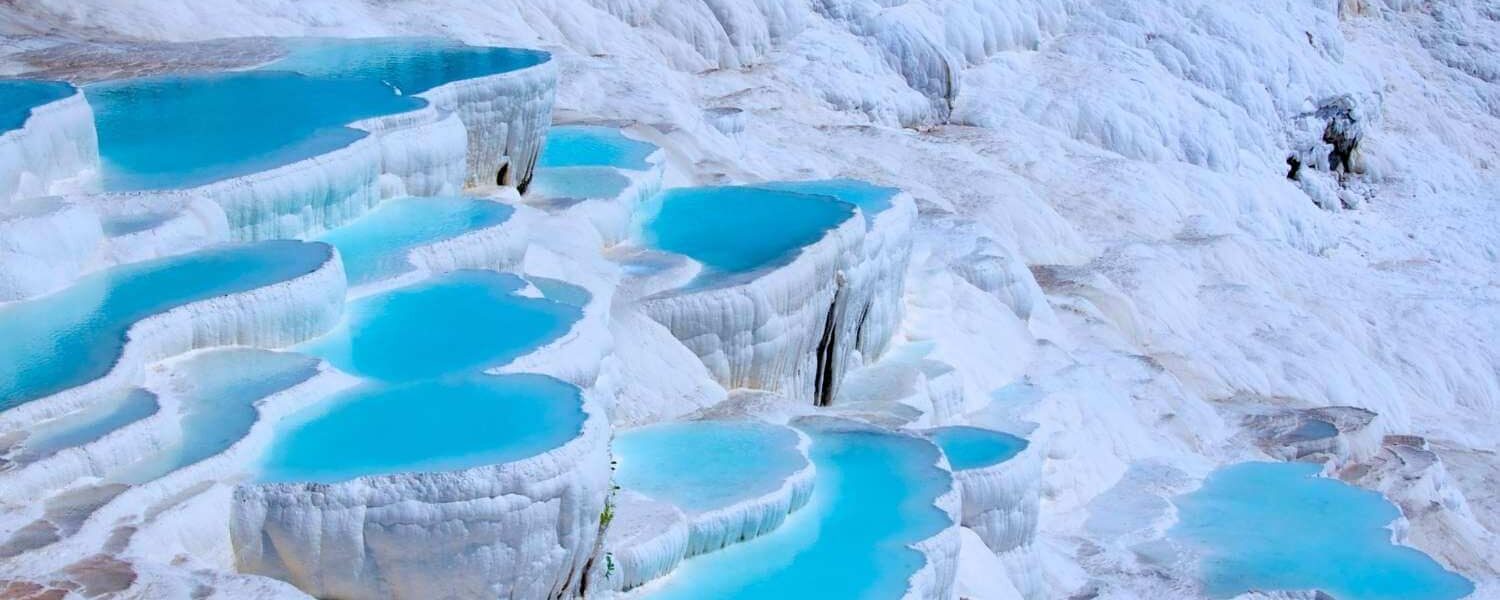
1001	501
1107	243
55	151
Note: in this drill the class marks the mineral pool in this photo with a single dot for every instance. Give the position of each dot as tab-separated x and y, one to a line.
705	465
870	198
219	390
376	245
182	131
873	498
76	335
974	447
424	348
593	146
19	96
75	429
1279	526
432	425
734	229
578	183
459	322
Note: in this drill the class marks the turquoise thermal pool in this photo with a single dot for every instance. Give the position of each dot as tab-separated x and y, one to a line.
870	198
76	335
578	183
219	390
376	245
1278	526
705	465
732	229
974	447
593	146
88	425
182	131
872	500
19	96
428	406
460	322
433	425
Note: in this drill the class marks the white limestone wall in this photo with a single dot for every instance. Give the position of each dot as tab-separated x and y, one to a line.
1001	501
273	316
506	116
524	529
764	333
646	540
44	244
55	148
877	283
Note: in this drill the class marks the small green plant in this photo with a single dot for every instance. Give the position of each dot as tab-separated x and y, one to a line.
609	564
608	514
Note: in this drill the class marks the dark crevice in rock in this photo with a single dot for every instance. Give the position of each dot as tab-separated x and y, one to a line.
500	176
827	347
859	329
1294	166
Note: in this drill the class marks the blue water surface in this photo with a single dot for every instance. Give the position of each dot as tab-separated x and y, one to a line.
375	246
872	499
19	96
705	465
75	335
1278	526
181	131
579	183
974	447
432	425
219	394
456	323
735	229
593	146
870	198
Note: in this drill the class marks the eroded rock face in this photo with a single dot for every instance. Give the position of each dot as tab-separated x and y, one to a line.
1331	433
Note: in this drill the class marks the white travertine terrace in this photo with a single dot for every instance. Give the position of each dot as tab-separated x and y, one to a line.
55	151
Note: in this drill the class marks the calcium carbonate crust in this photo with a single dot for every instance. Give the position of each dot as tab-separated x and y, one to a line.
56	147
765	333
523	529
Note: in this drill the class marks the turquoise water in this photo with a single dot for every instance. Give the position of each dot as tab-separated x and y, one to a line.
187	130
593	146
427	406
1278	526
458	322
872	499
973	447
734	229
87	425
19	96
870	198
435	425
375	246
705	465
220	390
75	335
581	183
